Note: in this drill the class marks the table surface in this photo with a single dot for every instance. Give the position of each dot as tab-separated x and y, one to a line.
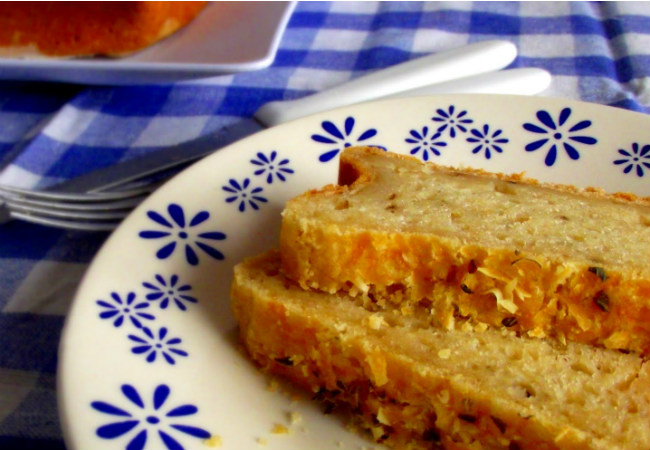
49	132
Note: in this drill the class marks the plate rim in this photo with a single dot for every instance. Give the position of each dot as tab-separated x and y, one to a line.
65	70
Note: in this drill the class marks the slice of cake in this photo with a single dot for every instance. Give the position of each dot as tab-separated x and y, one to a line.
414	386
476	249
76	29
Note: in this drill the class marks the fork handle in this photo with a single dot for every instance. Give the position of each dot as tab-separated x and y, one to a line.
473	59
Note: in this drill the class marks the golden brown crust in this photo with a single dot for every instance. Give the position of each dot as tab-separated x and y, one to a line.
64	29
387	373
467	284
354	169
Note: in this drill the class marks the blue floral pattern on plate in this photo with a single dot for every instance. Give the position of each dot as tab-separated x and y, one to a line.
175	231
169	291
341	138
637	160
455	122
151	344
452	120
129	310
555	134
424	144
487	142
139	421
120	308
271	166
244	194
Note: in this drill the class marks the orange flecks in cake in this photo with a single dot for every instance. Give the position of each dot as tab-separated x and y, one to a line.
91	28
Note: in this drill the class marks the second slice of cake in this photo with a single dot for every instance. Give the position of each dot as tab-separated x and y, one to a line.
476	249
418	387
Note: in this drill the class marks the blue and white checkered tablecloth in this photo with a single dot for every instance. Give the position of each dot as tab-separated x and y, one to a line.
49	132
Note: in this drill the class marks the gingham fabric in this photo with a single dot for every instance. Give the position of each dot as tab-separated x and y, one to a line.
49	132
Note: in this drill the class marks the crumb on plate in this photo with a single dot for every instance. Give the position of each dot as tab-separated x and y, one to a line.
279	429
213	441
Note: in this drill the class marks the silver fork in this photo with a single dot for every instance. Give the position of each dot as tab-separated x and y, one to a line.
89	211
78	207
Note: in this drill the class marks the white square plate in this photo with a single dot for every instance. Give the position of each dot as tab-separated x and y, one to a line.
227	37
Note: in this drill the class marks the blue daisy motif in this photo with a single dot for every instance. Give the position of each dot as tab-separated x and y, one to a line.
342	138
424	143
139	422
452	121
558	134
486	141
244	194
119	309
271	167
637	160
177	232
150	344
168	292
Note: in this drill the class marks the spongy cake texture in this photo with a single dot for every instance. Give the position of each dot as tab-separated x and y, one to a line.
414	386
72	29
477	249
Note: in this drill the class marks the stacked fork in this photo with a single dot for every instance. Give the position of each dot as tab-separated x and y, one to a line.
99	201
88	211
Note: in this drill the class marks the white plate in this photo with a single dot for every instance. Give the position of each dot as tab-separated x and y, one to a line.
226	37
163	276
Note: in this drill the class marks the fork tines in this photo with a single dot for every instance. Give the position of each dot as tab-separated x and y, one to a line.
94	211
